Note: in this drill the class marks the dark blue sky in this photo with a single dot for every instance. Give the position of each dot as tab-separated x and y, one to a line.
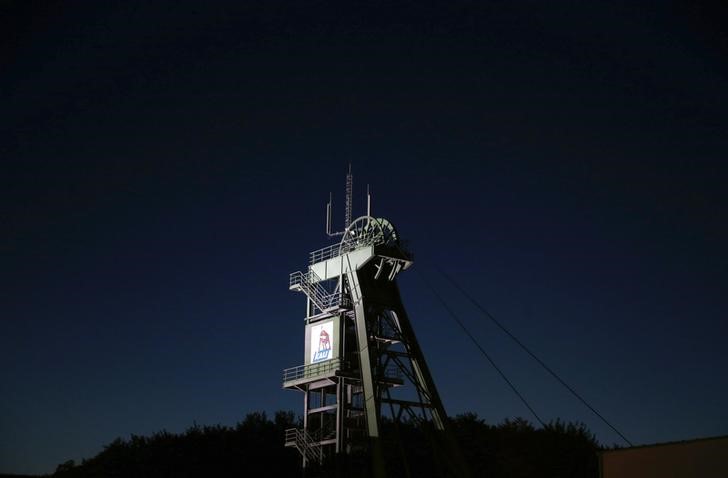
166	166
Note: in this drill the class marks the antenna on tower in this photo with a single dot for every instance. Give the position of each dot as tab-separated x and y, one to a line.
369	202
348	208
328	217
349	198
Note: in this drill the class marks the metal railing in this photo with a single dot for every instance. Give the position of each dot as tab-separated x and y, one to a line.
362	239
305	444
310	284
291	436
312	370
325	253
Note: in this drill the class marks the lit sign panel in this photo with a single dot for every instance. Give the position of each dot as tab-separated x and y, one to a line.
322	341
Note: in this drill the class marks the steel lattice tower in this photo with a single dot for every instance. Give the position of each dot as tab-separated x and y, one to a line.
363	365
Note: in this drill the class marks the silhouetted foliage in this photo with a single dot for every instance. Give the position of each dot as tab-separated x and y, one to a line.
254	447
515	448
12	475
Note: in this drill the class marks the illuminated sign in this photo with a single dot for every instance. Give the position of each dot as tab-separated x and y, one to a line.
322	341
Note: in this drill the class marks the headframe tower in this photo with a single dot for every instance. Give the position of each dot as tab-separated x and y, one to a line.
363	368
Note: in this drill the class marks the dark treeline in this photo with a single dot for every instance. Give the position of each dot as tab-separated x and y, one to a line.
254	447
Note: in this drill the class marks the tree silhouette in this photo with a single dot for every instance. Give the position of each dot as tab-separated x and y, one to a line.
254	447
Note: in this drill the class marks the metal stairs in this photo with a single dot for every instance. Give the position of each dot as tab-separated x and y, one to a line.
309	448
310	284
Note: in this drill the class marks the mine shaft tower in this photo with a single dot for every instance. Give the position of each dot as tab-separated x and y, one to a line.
362	363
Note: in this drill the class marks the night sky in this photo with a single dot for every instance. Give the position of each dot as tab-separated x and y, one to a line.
165	166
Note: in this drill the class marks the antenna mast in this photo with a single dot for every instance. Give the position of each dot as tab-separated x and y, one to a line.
369	202
349	193
349	205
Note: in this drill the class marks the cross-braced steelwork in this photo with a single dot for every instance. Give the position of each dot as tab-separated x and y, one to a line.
363	367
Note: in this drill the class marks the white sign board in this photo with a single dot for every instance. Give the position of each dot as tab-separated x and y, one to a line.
322	341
